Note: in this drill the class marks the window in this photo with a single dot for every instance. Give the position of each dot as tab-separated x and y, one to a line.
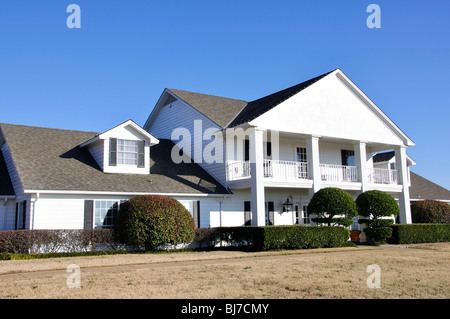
301	155
127	152
348	158
105	213
306	218
270	213
301	158
247	213
296	216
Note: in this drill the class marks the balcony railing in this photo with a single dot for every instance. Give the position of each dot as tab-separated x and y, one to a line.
289	170
338	173
237	170
285	169
272	169
382	176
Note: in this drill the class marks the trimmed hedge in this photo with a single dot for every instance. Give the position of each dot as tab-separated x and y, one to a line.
430	211
275	237
420	233
55	241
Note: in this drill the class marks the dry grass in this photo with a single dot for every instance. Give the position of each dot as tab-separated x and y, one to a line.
415	271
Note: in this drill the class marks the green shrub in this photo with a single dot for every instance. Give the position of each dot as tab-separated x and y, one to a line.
154	220
420	233
430	211
330	204
284	237
376	205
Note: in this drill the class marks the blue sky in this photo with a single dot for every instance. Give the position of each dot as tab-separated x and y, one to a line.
126	52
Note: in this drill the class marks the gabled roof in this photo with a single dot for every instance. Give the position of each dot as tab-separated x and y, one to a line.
226	112
220	110
51	159
258	107
153	140
422	188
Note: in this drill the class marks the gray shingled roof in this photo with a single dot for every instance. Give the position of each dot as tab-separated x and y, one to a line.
422	188
220	110
50	159
228	112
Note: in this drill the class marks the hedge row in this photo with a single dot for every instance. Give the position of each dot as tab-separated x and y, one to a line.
55	241
420	233
274	237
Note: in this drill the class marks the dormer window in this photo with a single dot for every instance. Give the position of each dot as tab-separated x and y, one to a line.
124	149
127	152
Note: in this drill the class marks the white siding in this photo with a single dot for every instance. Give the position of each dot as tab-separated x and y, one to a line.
67	211
7	214
97	150
180	115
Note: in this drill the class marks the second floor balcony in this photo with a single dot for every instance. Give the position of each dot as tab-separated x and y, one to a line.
291	171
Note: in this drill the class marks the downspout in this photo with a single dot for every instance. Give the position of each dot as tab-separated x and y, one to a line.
33	200
220	210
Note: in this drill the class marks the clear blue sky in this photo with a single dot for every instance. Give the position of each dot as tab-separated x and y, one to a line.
115	67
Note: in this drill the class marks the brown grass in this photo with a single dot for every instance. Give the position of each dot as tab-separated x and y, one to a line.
414	271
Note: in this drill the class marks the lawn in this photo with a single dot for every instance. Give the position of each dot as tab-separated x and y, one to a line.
406	271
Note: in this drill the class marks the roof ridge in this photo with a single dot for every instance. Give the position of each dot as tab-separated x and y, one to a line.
213	95
300	86
47	128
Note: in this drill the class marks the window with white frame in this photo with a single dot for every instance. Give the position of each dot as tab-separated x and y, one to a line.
127	152
105	212
306	217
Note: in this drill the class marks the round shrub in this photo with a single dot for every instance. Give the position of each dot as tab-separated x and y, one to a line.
154	220
376	205
430	211
332	206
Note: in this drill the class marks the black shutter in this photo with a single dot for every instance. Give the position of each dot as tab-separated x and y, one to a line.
112	151
246	150
196	212
88	214
271	209
247	214
269	149
24	213
141	154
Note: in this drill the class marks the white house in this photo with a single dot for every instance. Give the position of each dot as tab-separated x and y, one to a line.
230	162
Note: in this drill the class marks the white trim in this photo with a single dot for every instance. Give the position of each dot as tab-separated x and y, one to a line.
394	128
7	197
153	140
77	192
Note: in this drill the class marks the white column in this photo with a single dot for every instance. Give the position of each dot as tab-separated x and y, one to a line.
312	152
257	178
402	169
361	164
